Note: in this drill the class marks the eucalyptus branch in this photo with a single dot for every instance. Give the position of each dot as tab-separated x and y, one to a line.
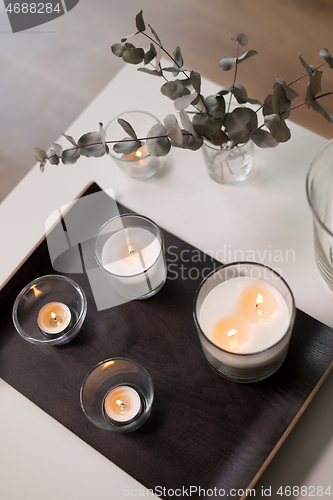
209	118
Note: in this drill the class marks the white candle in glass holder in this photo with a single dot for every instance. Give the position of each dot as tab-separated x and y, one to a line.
133	256
54	318
122	404
244	315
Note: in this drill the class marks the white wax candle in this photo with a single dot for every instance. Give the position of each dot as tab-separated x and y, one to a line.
139	157
249	327
122	403
54	317
133	256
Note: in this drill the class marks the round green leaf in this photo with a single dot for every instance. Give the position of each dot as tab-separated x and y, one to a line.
134	55
174	89
159	144
240	123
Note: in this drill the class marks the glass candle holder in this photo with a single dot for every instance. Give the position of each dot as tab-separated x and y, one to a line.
319	189
244	313
130	248
226	165
117	395
50	310
140	164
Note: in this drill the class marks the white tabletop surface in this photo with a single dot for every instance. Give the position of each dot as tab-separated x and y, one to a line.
266	219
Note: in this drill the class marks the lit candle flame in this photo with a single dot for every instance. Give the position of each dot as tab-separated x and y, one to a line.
232	332
54	317
259	300
138	154
120	403
130	249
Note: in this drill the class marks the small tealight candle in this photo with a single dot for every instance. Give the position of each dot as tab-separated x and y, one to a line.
54	318
122	404
140	154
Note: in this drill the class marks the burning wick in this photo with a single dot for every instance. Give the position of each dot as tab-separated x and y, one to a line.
54	317
232	332
130	249
138	154
120	403
259	303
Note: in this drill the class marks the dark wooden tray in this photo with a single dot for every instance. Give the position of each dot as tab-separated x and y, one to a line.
204	430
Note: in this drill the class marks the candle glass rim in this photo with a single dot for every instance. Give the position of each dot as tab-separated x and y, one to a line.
232	264
67	335
134	423
118	156
308	184
159	232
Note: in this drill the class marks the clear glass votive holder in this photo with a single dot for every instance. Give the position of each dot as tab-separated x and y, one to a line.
229	165
50	310
118	376
130	248
140	164
319	189
228	292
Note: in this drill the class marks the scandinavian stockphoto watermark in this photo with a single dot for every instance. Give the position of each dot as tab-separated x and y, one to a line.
24	15
192	264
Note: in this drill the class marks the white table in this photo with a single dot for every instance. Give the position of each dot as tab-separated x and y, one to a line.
39	458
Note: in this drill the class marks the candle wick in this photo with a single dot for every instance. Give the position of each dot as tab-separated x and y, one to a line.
54	317
130	249
120	403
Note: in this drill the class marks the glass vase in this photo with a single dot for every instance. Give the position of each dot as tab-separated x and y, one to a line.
319	188
229	165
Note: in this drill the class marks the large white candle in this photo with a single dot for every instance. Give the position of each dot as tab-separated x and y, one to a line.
134	258
244	315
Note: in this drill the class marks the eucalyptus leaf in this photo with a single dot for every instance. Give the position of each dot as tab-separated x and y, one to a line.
263	139
92	144
314	86
218	140
206	125
178	57
247	55
153	72
310	69
187	124
157	38
173	129
40	155
57	149
70	156
215	105
127	127
318	107
195	79
150	54
278	128
118	49
127	146
70	139
189	141
54	159
242	39
184	101
240	94
290	93
174	89
139	22
134	55
267	106
227	63
159	144
327	56
280	103
240	123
